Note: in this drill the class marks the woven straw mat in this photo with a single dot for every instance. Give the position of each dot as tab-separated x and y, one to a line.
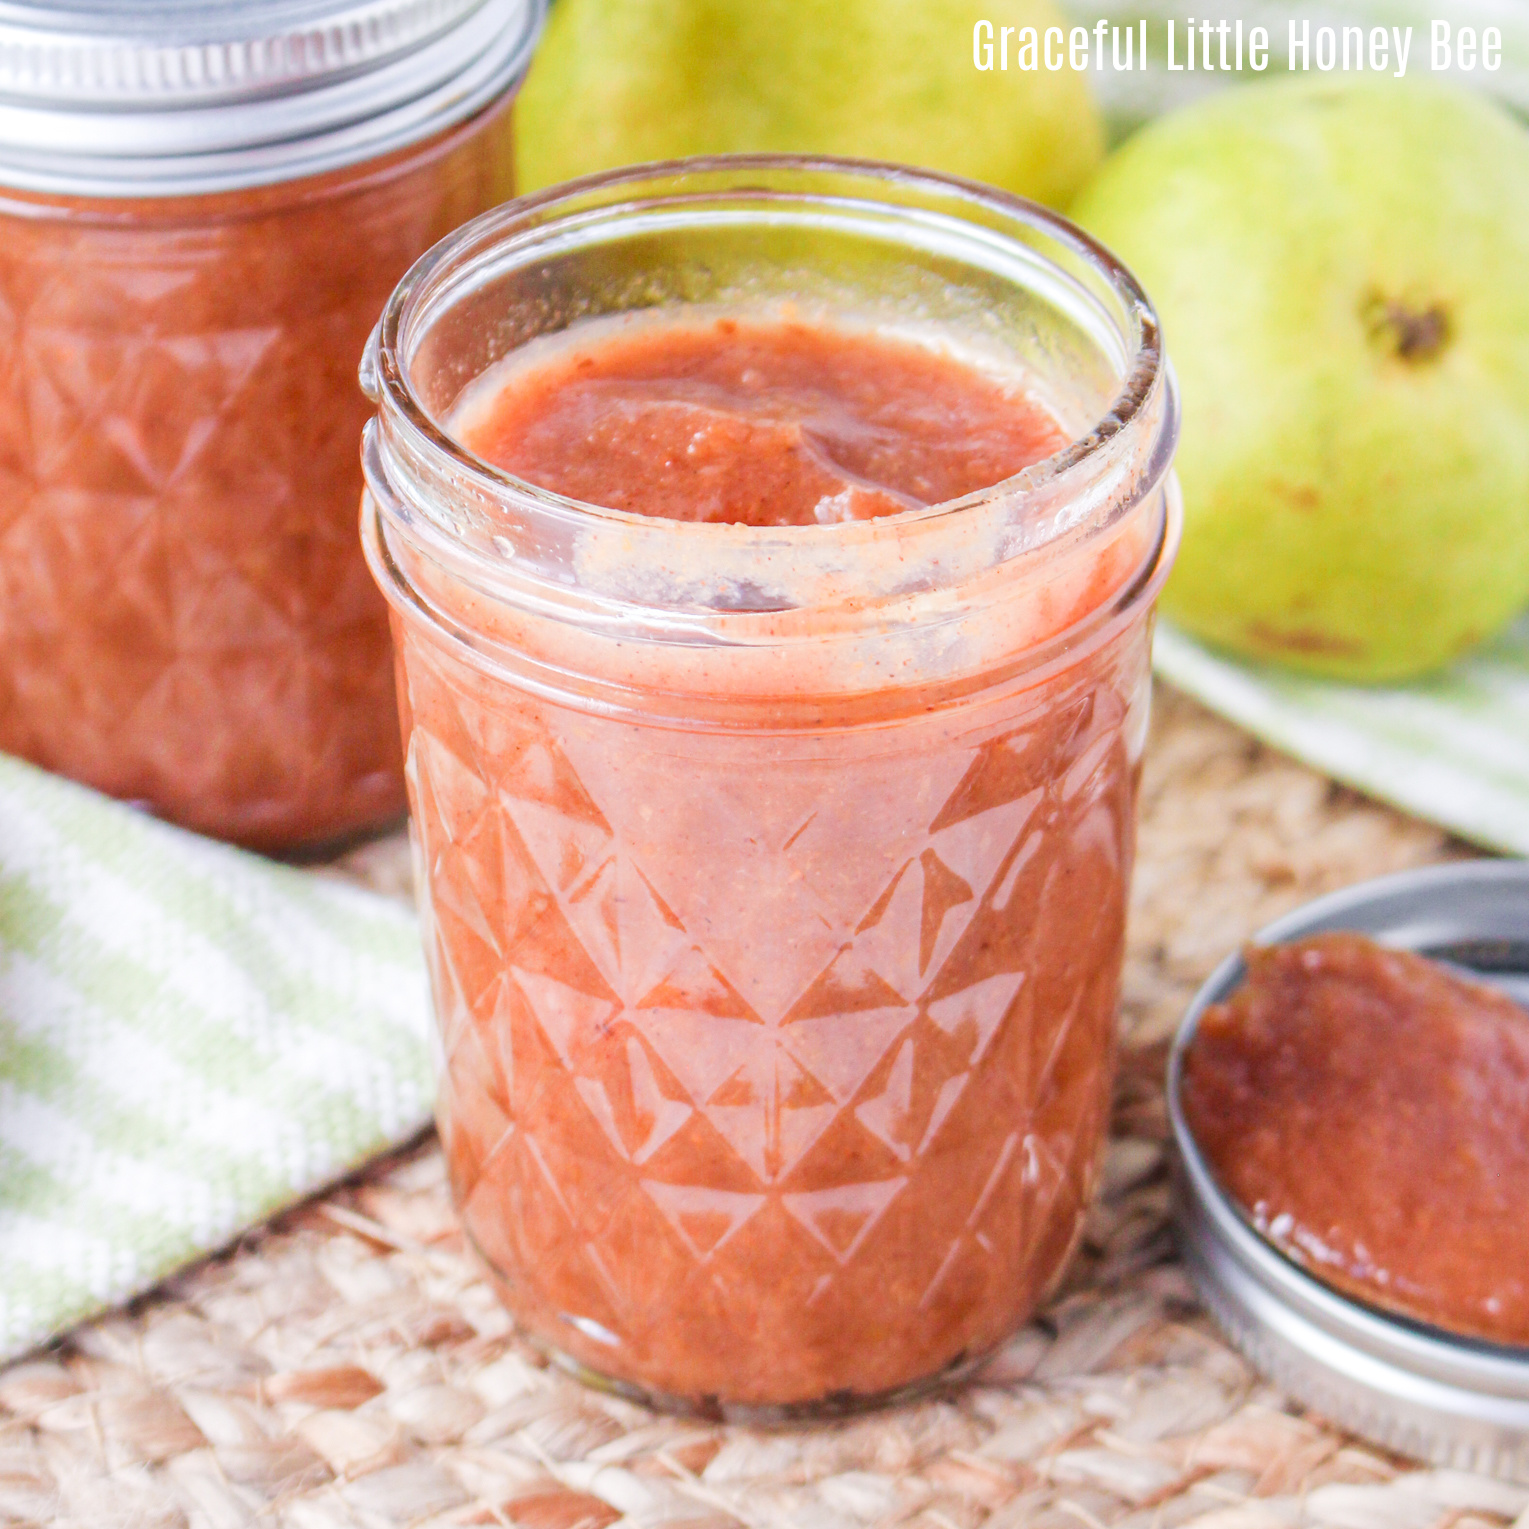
348	1367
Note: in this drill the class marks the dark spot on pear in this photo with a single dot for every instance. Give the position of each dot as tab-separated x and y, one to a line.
1410	331
1298	496
1301	640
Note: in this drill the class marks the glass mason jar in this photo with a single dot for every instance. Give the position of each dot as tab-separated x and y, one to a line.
201	215
774	879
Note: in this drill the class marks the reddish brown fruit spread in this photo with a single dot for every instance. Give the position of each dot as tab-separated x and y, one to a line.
777	1054
761	424
1369	1109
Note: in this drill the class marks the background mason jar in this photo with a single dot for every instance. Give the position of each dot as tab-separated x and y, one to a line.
201	214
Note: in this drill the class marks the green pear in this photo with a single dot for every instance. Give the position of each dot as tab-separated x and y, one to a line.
1342	272
617	82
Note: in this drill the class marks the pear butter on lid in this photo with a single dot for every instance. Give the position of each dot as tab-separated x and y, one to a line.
1368	1109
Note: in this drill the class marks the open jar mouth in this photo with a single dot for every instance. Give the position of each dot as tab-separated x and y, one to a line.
991	276
520	232
698	233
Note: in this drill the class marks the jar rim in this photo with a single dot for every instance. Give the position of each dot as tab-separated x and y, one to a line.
386	379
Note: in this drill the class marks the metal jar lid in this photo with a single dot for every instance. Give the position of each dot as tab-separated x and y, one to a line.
1408	1387
103	99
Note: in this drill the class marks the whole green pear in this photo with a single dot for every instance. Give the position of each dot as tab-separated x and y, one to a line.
1342	271
617	82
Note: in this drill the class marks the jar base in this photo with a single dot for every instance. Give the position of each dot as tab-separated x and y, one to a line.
714	1409
332	847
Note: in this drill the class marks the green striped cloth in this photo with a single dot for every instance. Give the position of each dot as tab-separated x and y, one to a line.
1453	748
190	1039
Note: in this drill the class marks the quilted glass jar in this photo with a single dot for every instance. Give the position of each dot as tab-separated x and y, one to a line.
202	211
774	878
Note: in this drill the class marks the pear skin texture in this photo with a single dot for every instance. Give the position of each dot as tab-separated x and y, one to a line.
619	82
1342	273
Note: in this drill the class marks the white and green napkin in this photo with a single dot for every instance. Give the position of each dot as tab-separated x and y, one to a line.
191	1038
1453	748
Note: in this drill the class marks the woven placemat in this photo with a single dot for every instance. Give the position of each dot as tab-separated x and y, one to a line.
348	1368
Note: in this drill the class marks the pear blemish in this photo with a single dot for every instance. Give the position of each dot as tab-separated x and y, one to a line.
1410	333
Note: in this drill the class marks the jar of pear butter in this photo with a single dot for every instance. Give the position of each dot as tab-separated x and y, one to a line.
203	207
772	548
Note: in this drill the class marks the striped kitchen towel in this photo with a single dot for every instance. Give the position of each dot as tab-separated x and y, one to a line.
191	1038
1452	748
